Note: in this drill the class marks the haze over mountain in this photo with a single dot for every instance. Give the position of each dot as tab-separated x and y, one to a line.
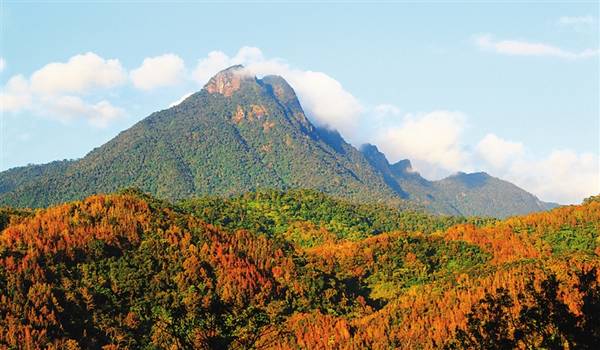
239	134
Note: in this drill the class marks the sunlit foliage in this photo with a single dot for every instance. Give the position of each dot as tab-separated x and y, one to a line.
281	270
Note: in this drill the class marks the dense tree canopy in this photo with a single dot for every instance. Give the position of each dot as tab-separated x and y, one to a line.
298	269
253	137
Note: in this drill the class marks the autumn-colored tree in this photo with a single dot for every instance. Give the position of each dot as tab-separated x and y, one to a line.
271	270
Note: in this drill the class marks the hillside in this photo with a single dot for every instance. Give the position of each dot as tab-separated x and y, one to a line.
240	134
132	271
274	213
460	194
237	134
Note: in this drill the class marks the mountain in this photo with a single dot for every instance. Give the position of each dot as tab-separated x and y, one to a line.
488	195
239	134
459	194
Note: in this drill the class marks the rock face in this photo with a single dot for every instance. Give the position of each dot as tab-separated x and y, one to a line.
226	82
240	134
403	166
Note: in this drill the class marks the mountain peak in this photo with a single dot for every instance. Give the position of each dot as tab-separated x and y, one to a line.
471	179
399	168
374	155
241	133
369	147
481	175
280	88
227	81
402	166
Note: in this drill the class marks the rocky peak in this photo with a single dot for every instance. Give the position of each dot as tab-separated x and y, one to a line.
477	175
470	179
374	156
402	166
280	88
227	81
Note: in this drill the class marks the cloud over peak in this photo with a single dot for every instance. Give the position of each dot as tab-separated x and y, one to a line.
324	99
432	141
497	151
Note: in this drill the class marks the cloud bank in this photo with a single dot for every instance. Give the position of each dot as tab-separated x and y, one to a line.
49	91
79	74
72	107
498	152
431	140
525	48
15	94
563	176
159	71
434	143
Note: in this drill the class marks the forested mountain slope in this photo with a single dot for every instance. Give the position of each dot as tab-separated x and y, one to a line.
459	194
132	271
237	134
240	134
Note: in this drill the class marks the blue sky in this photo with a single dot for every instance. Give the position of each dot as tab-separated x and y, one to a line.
507	88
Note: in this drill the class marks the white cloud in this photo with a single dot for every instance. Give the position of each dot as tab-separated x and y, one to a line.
2	64
385	110
218	60
67	108
43	93
524	48
563	176
181	99
79	74
159	71
497	151
575	20
431	141
380	117
15	95
207	67
324	99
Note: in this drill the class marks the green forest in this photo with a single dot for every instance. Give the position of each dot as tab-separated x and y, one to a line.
294	270
254	137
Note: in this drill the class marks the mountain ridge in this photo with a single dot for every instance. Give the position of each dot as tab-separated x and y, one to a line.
454	193
239	134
